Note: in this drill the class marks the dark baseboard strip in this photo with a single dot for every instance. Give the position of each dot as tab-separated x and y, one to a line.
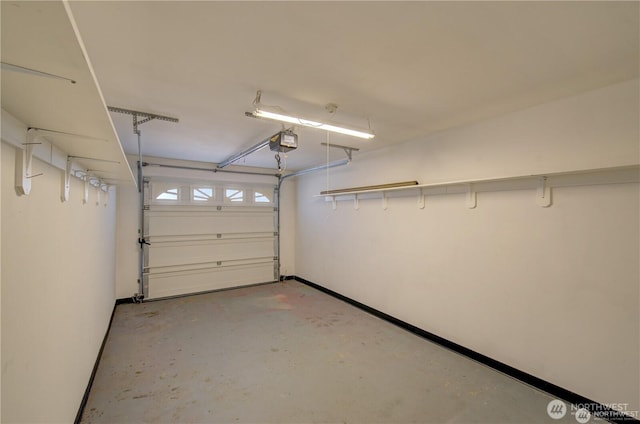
125	301
596	409
85	397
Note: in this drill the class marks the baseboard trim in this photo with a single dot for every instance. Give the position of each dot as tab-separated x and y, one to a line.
125	300
596	408
85	397
287	277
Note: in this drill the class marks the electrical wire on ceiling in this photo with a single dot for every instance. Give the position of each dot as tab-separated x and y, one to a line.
257	102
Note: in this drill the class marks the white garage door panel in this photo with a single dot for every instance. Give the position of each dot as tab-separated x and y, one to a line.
194	252
178	283
200	245
213	222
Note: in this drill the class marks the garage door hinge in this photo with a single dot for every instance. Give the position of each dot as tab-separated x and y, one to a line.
275	234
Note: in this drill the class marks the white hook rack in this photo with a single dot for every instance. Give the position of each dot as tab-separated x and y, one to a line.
105	196
66	181
98	193
472	198
542	184
85	198
24	164
421	199
32	142
543	193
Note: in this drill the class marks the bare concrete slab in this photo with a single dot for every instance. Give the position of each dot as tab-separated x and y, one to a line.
287	353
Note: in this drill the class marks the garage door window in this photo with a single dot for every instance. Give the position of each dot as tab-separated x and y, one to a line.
262	196
234	195
166	192
203	194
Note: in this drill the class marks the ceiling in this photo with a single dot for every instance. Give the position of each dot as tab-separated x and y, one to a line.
407	69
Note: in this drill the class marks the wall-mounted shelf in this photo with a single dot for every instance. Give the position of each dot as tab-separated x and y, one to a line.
541	183
52	106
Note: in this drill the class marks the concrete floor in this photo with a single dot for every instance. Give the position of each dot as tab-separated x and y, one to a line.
287	353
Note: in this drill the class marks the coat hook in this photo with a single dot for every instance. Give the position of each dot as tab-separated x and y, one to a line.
543	193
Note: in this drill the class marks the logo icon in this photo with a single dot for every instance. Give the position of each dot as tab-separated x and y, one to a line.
583	416
557	409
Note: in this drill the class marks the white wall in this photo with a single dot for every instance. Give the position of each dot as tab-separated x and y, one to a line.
127	265
128	249
0	287
551	291
288	217
58	262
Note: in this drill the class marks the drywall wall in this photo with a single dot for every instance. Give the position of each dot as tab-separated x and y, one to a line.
0	288
127	258
551	291
58	292
128	249
288	217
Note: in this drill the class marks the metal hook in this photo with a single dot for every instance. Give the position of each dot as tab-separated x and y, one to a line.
277	156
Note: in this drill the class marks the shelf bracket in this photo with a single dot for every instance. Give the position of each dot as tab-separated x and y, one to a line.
385	203
140	118
24	161
421	198
333	203
85	198
543	193
347	150
66	181
98	193
472	199
105	195
356	202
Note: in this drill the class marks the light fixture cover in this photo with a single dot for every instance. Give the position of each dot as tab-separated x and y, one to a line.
259	113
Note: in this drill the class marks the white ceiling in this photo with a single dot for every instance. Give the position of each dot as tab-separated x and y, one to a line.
411	68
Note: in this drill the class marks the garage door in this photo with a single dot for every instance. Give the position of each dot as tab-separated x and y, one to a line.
207	236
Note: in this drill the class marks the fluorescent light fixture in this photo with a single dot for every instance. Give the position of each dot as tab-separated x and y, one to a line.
259	113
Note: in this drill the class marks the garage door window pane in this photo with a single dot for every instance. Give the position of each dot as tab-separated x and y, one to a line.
234	195
168	194
262	197
202	194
